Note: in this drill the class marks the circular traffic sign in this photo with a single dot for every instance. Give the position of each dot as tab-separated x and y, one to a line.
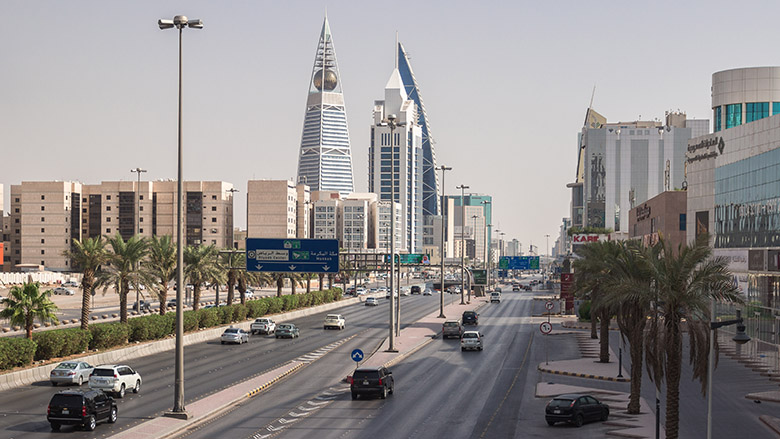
357	355
545	327
549	305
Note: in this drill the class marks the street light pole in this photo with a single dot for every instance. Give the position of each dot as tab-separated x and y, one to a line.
392	125
462	241
442	168
179	22
474	217
546	256
138	227
488	251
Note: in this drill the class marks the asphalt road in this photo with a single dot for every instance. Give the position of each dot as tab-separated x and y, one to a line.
209	367
440	392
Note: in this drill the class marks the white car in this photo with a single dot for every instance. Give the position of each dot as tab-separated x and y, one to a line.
361	291
234	335
495	297
471	340
116	379
371	301
249	294
263	325
405	291
428	292
64	291
71	284
334	321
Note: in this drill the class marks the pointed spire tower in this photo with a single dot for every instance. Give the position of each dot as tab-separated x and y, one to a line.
430	186
325	161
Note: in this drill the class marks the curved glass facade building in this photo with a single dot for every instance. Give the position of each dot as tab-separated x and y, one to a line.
745	95
325	160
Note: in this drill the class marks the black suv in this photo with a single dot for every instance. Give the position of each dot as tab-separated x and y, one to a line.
470	318
372	380
80	407
416	289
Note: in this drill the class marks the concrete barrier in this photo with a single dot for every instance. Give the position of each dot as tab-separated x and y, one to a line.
124	354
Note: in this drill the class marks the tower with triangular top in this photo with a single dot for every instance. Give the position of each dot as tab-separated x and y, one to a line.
325	160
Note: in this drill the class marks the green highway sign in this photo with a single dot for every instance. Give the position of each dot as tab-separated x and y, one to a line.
480	277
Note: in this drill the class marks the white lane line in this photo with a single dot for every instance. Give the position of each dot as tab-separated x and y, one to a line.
285	421
298	415
272	428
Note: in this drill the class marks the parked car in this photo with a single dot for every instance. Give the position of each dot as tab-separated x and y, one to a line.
70	372
371	301
471	340
234	335
70	284
576	409
336	321
287	330
451	328
470	318
428	292
495	296
115	378
80	407
416	289
371	381
145	305
263	325
64	291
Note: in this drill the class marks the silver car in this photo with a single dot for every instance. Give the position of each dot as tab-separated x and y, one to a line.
64	291
471	340
71	372
234	335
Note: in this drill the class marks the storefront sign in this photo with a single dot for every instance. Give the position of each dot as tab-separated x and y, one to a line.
705	145
642	212
737	259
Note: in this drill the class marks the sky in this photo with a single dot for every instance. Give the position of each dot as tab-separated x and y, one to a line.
88	89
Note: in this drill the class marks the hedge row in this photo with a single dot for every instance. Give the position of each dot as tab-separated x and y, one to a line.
56	343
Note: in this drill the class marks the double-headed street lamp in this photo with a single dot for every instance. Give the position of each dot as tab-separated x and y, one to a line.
138	227
488	252
179	22
473	264
462	241
442	168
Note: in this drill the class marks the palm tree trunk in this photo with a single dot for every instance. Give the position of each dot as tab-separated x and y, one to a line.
330	281
322	278
635	338
308	283
673	365
279	286
231	284
196	296
86	295
594	332
604	339
28	324
163	299
123	292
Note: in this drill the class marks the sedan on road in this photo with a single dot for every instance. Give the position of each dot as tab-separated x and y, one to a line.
371	301
471	340
64	291
287	330
335	321
576	409
71	372
234	335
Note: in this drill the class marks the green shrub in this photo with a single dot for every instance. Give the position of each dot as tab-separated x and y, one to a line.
16	352
191	321
60	343
208	317
108	335
290	302
240	312
151	327
225	314
275	304
584	311
257	308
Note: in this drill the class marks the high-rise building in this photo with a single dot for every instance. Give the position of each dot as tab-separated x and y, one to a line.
430	185
399	158
272	209
325	161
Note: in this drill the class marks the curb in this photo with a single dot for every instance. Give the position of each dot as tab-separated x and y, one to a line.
254	392
583	375
771	422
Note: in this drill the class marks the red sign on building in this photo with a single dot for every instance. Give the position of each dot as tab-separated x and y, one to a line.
567	280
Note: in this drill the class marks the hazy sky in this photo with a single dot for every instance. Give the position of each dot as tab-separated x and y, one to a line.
88	88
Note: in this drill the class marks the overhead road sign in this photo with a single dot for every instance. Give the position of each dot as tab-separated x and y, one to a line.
411	258
519	263
292	255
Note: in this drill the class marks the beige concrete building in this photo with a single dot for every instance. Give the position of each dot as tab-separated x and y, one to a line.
271	209
303	208
327	222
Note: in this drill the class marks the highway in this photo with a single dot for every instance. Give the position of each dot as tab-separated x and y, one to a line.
209	367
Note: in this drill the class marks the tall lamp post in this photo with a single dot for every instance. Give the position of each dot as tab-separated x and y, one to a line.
546	256
462	241
442	168
500	246
179	22
392	125
137	230
488	251
473	264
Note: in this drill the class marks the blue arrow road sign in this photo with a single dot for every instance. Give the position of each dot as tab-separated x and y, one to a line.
292	255
357	355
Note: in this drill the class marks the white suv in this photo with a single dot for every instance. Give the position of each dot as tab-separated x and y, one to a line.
334	321
495	297
115	378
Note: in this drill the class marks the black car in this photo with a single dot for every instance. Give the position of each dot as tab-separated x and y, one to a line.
371	381
416	289
145	305
576	409
470	318
81	407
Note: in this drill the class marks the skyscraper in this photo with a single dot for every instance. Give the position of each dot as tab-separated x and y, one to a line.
430	182
325	161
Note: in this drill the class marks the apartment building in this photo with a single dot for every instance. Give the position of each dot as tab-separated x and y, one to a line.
272	209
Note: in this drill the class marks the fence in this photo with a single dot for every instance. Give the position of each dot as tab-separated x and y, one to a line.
44	277
762	325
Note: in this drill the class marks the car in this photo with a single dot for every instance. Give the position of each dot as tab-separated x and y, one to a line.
70	372
382	289
234	335
64	291
335	321
115	378
360	291
405	291
428	292
498	289
470	318
145	305
515	287
371	381
80	407
287	330
371	301
263	325
451	328
70	284
249	293
171	303
471	340
416	289
575	408
495	296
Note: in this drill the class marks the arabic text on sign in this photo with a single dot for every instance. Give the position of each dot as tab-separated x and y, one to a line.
272	255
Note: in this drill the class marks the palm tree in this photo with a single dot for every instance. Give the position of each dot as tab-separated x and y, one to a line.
161	266
121	272
233	262
307	277
87	255
295	280
26	303
685	282
629	291
200	265
321	277
591	273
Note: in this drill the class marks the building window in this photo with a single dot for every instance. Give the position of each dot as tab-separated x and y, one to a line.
141	219
43	197
43	241
775	107
43	252
756	111
108	208
213	220
140	197
213	208
140	230
141	208
682	222
733	115
43	219
108	231
108	219
16	220
43	230
43	208
16	200
213	197
108	197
